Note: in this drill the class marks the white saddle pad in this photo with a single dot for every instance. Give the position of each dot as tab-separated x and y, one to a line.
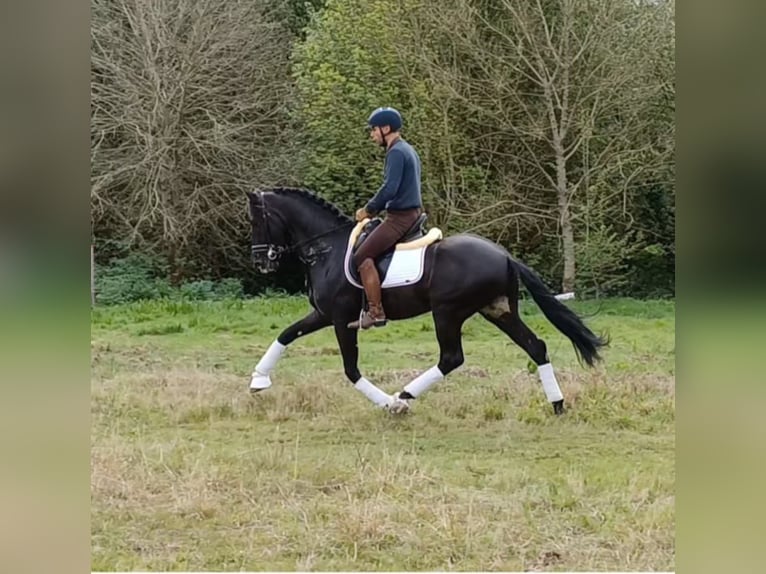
406	268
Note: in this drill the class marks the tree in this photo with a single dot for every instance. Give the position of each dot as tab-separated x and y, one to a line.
345	68
188	111
356	57
558	94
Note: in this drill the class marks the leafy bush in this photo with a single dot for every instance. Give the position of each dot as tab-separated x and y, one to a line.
207	290
601	262
133	277
229	288
138	276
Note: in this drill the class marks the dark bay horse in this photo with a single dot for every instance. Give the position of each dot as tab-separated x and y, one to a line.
463	275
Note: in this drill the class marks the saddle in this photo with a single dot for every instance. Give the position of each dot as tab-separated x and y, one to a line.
416	238
414	232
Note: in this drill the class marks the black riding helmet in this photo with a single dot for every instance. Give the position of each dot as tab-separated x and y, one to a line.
385	116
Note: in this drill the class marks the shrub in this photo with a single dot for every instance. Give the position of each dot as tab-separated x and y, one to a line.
138	276
133	277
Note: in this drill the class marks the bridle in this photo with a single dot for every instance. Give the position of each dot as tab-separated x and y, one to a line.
274	251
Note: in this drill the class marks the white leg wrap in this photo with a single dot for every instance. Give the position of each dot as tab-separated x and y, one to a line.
376	395
270	358
550	385
424	381
260	378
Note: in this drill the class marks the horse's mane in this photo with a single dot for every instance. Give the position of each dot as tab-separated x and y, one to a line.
312	197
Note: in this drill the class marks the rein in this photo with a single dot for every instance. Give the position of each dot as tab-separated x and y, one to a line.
310	240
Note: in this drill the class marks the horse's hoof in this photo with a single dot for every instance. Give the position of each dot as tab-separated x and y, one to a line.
259	382
558	407
399	406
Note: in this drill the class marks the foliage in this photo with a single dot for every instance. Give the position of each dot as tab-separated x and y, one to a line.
356	57
651	269
601	258
346	68
565	106
206	290
138	276
298	13
135	277
547	126
187	114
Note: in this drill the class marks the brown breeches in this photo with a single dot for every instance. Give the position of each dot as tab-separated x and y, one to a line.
387	234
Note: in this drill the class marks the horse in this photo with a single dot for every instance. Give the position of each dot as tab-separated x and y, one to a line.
459	276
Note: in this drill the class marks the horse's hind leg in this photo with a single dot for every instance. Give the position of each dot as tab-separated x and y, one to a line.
507	319
260	378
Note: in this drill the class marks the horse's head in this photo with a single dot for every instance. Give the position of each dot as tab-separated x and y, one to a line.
269	238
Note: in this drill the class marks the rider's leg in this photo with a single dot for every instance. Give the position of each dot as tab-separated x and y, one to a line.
382	238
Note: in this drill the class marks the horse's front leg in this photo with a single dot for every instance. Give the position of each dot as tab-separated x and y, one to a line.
260	378
347	341
448	325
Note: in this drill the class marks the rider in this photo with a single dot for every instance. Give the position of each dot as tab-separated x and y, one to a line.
399	196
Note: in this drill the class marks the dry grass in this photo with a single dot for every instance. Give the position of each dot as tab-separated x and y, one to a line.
189	472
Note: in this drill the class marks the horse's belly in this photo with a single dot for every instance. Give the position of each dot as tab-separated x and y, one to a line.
405	302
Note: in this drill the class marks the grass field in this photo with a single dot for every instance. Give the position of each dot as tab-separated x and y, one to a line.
190	472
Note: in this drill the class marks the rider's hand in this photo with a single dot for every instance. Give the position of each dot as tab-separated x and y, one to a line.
362	214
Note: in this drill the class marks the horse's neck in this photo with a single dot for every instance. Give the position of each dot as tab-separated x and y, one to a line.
306	220
309	224
322	237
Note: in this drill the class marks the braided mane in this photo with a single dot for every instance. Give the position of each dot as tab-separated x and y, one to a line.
312	197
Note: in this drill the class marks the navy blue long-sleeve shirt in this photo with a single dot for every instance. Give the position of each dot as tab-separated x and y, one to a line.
401	180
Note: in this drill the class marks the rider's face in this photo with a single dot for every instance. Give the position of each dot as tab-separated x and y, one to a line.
376	134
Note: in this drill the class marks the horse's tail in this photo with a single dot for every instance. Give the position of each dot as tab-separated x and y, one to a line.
585	342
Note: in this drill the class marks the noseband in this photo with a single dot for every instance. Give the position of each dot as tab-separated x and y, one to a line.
273	252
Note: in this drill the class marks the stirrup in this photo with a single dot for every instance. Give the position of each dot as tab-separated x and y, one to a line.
359	323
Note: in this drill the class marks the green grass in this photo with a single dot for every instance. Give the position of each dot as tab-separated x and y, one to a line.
189	472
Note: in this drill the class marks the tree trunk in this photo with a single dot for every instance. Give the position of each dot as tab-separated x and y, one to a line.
567	233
